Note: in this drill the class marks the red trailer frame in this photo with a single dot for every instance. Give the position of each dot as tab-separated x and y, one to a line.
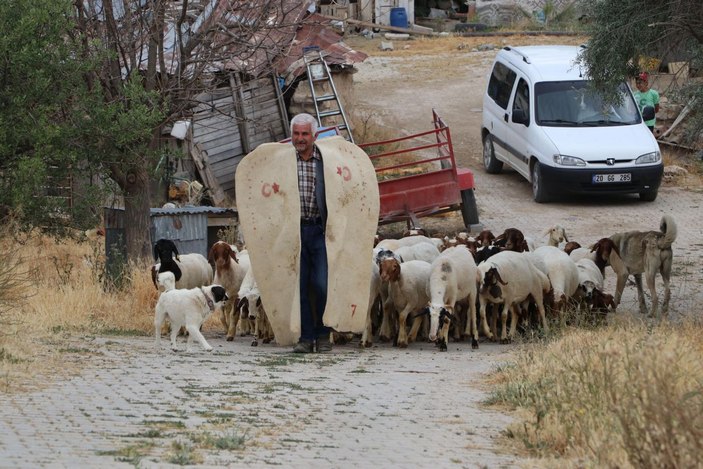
435	184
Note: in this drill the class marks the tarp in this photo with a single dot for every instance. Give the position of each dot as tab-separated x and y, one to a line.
268	202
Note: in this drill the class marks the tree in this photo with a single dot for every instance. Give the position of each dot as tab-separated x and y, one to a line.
626	33
39	77
137	66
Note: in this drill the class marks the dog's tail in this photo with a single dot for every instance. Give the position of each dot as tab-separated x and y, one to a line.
668	228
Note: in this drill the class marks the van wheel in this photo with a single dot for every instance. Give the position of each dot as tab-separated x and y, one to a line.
539	192
490	162
648	196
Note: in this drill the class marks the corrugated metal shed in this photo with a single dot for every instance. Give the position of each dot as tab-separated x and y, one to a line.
190	228
187	227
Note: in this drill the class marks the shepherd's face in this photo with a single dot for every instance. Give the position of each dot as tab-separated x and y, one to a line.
303	139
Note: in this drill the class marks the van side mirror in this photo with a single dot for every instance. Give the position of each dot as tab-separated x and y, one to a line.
648	113
521	117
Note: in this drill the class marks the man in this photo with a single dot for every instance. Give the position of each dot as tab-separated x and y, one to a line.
313	253
311	268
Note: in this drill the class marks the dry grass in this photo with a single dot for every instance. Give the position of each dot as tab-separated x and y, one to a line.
452	43
629	395
64	302
693	178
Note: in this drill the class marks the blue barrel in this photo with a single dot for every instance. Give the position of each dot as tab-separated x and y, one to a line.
399	18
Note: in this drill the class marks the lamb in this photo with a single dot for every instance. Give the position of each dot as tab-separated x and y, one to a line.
408	292
230	270
485	238
510	278
602	302
250	308
190	270
556	235
452	279
423	251
562	273
571	246
512	239
486	252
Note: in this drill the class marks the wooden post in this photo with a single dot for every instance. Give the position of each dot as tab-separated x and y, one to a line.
238	98
201	164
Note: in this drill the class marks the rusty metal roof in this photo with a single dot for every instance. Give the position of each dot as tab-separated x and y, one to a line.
316	30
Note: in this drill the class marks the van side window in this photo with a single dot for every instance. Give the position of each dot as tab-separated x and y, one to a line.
522	100
501	84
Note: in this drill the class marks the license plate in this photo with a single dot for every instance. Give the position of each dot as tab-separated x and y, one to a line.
611	178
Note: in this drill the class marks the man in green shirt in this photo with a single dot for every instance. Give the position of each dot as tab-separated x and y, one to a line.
645	96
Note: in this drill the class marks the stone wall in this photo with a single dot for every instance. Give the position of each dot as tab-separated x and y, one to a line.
302	99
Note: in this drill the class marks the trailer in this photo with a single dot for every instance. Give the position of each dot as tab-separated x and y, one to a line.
418	177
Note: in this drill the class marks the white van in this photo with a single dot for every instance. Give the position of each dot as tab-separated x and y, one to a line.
541	117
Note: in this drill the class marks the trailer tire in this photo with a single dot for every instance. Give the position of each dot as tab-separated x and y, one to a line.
469	211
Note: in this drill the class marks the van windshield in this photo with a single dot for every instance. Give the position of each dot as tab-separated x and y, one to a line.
575	104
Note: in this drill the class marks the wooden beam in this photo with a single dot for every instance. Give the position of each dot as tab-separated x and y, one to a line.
238	98
201	164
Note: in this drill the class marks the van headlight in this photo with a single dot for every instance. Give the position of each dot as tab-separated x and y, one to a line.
566	160
647	158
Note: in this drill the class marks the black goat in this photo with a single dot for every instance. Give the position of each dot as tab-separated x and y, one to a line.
164	249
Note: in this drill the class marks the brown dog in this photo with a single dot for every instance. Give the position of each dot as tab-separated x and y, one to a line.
646	252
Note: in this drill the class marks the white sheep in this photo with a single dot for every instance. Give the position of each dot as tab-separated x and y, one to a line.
427	252
556	234
419	250
590	279
190	270
407	289
393	244
510	278
452	279
562	273
582	253
195	271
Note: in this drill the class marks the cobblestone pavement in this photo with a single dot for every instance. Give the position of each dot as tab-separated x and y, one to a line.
394	408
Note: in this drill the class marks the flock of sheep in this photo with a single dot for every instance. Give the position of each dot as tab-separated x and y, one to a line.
424	287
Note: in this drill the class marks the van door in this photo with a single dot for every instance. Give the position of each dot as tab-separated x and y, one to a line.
495	106
518	128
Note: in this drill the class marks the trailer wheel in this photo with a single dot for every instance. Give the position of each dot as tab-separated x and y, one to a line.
469	211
